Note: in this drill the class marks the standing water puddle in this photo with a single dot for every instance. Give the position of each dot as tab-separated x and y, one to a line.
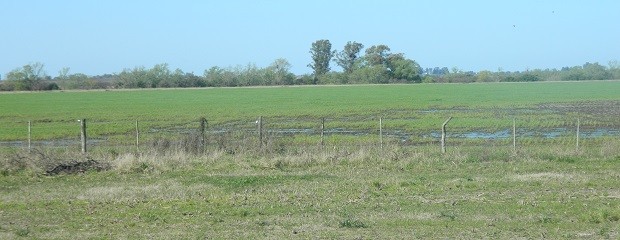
401	134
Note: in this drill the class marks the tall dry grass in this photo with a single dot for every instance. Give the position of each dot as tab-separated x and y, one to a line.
161	155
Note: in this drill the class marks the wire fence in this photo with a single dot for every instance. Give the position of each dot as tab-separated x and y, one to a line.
282	133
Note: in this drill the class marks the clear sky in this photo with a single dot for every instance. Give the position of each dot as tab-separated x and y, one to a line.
98	37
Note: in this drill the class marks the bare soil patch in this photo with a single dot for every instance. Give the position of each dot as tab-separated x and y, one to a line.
74	167
604	109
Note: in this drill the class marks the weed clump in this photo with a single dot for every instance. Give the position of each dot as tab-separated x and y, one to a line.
352	223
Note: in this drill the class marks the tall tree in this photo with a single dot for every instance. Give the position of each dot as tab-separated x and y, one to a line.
393	65
279	72
377	55
28	77
321	56
347	57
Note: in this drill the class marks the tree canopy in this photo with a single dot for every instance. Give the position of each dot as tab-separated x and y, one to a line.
28	78
322	54
348	57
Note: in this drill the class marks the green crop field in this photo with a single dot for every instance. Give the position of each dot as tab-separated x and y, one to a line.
221	104
54	114
296	188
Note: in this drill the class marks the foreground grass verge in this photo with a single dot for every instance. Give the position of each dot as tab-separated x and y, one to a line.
339	193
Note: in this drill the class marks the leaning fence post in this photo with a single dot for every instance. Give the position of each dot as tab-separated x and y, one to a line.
83	134
29	136
443	135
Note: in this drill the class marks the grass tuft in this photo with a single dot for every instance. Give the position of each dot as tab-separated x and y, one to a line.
448	215
352	223
22	232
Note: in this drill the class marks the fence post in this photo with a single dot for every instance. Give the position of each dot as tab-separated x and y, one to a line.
443	135
322	132
578	125
83	134
203	126
29	136
137	138
514	135
381	132
260	131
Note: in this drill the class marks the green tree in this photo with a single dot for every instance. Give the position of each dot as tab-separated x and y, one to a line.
391	66
322	54
614	69
27	78
178	78
370	74
484	76
278	73
349	56
334	78
158	75
214	76
595	71
77	81
74	81
404	69
133	78
63	73
527	77
377	55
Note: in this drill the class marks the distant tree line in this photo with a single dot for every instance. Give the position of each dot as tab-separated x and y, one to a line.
278	73
588	71
378	65
31	77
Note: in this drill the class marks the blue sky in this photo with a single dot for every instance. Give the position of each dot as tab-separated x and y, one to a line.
98	37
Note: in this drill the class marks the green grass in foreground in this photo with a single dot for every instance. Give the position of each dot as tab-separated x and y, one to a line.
345	194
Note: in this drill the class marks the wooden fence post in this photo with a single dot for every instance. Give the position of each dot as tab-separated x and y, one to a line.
29	136
381	132
137	138
514	135
578	125
443	135
260	131
203	127
322	132
83	134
